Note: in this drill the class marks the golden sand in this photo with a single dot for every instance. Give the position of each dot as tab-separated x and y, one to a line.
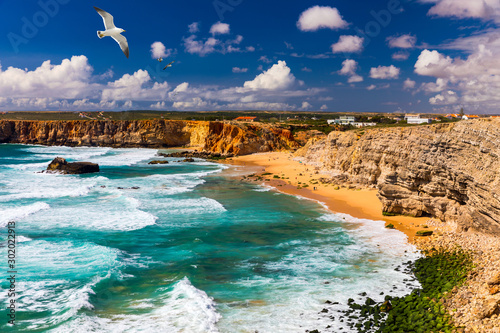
355	202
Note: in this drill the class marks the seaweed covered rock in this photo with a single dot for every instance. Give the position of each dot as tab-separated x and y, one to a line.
60	165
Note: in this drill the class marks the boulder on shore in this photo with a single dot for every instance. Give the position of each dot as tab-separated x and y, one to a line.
60	165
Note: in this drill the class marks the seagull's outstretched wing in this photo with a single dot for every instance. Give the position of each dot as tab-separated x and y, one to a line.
123	43
169	65
107	18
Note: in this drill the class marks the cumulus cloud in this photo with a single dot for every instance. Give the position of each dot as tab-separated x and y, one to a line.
204	46
158	50
324	107
384	72
463	9
409	84
219	29
477	77
194	27
402	42
239	70
306	106
446	98
348	44
320	17
137	87
371	87
277	77
70	79
349	68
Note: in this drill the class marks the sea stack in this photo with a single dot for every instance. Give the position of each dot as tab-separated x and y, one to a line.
60	165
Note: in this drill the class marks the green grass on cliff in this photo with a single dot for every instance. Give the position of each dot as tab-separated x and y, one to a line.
421	311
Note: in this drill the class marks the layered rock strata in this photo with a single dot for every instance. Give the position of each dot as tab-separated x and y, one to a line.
448	171
217	137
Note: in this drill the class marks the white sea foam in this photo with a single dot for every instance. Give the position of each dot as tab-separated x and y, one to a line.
21	239
118	213
183	309
124	157
187	206
339	265
59	277
20	212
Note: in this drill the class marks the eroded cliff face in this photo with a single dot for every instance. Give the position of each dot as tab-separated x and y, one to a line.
448	171
224	138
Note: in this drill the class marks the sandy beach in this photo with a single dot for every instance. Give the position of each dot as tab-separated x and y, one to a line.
301	179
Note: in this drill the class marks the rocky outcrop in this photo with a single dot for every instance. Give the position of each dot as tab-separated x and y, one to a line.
448	171
60	165
217	137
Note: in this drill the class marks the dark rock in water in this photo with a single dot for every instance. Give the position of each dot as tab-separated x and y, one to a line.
190	160
60	165
198	154
158	162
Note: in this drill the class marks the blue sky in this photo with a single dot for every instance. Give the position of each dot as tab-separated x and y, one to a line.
380	56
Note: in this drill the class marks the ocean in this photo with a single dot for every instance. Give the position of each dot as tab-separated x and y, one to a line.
180	247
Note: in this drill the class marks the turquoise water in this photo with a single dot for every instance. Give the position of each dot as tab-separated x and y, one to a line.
193	249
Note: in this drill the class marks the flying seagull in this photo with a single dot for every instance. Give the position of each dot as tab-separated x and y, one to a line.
112	31
160	59
169	65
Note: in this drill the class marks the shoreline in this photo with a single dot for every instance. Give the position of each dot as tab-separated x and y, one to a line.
473	305
301	180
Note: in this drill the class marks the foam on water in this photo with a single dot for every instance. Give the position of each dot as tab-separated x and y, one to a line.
124	157
58	277
45	185
123	213
20	212
325	268
183	309
186	206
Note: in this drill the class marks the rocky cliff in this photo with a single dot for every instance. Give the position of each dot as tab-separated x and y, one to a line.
238	139
448	171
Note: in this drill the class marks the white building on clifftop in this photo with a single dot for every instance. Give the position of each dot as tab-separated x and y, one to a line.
415	119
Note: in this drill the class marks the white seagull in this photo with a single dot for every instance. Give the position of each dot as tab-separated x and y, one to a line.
112	31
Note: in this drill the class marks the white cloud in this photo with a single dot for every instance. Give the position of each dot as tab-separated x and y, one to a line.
194	27
433	87
446	98
349	68
306	106
306	69
183	87
319	17
136	87
355	78
71	79
288	46
409	84
276	78
239	70
265	59
202	47
158	105
384	72
158	50
348	44
323	107
219	28
477	77
401	56
402	42
480	9
371	87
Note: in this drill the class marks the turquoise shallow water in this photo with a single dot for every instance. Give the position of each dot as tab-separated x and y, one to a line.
190	250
